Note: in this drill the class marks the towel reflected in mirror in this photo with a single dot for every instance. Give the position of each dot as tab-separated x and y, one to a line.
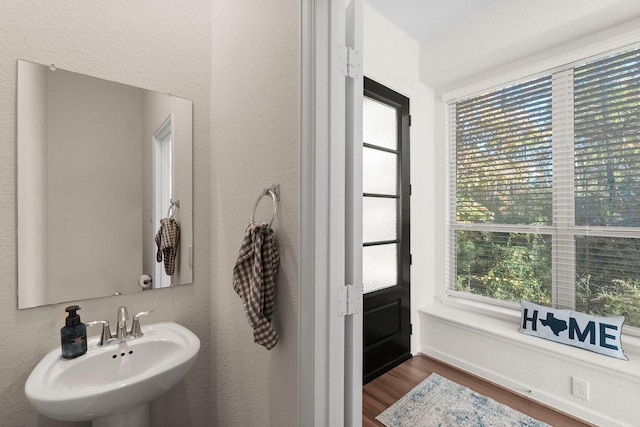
168	241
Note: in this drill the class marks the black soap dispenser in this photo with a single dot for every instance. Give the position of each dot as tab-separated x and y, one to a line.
73	335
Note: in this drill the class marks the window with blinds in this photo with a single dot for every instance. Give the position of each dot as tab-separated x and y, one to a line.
545	189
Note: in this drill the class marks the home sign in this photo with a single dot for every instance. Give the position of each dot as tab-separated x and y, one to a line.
598	334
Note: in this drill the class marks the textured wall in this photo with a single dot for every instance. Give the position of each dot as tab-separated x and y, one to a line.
255	131
163	45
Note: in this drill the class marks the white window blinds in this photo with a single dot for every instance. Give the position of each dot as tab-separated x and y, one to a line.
503	146
607	136
544	194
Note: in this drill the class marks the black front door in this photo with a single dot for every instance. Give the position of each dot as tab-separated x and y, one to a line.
385	252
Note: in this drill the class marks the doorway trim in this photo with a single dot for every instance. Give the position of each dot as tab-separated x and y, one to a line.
329	371
162	186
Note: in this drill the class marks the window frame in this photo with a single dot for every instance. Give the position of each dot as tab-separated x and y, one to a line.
563	147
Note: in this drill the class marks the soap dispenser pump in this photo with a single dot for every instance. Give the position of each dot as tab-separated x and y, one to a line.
73	335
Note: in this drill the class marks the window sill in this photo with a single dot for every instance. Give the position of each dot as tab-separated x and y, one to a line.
502	323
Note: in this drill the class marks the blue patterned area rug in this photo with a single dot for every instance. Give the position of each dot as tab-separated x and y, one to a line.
438	402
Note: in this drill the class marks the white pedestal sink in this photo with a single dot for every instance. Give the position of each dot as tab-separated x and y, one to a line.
112	385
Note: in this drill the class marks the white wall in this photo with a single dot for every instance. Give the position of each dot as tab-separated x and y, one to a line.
487	344
255	106
164	45
509	31
392	58
242	58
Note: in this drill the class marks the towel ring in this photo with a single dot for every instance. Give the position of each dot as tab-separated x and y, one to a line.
274	192
172	208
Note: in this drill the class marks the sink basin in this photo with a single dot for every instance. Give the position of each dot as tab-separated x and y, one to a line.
115	380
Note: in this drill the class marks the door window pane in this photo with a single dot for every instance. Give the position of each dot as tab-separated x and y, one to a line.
379	267
380	124
379	219
380	172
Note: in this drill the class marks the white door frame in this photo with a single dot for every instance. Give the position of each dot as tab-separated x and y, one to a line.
330	344
161	188
353	237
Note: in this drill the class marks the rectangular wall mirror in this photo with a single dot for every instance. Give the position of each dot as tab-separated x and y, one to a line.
99	164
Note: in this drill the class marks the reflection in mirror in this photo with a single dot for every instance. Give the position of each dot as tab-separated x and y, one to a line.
99	165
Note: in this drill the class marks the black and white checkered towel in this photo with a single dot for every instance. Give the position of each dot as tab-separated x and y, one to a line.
168	240
254	280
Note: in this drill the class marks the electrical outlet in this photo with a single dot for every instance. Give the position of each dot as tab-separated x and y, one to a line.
580	388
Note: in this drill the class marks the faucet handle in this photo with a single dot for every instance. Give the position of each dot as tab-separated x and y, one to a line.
136	331
105	336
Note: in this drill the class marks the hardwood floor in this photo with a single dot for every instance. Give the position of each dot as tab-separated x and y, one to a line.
385	390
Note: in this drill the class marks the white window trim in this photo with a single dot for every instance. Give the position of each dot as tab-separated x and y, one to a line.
162	186
491	307
329	345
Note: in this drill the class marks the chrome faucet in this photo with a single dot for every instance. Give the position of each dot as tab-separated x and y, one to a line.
106	337
121	318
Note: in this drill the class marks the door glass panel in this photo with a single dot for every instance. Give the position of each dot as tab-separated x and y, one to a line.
385	213
379	219
380	124
379	267
380	172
